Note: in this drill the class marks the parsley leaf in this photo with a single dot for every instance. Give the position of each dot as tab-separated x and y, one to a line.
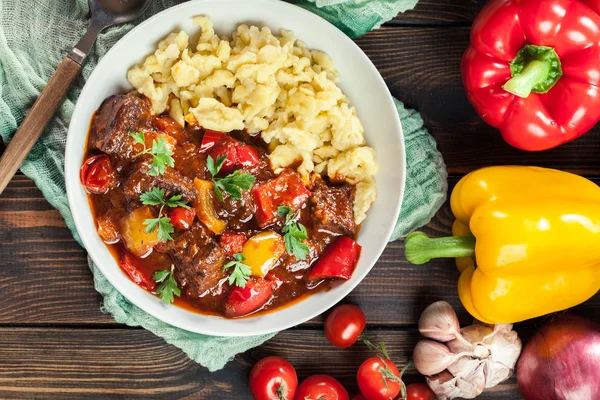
241	272
161	153
233	184
165	228
293	233
176	201
168	289
156	197
139	137
215	168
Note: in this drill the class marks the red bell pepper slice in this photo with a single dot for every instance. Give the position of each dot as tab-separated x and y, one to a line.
97	174
181	218
169	126
238	154
338	261
232	243
243	301
533	72
129	264
209	139
285	190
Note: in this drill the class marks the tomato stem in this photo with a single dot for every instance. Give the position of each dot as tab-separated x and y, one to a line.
281	392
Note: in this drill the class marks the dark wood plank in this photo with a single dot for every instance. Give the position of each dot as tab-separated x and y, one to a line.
422	68
46	278
134	364
440	12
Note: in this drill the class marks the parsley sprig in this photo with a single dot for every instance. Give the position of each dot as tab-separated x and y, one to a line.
162	156
233	183
168	289
241	272
294	233
156	197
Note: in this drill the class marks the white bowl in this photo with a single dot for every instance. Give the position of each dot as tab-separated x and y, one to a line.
360	81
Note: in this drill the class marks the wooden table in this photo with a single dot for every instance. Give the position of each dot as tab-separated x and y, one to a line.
56	343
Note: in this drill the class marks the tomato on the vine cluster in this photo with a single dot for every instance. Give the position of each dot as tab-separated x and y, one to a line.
273	378
321	387
419	391
378	379
344	325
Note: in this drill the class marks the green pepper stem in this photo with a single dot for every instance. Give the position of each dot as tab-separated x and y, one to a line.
521	85
420	248
534	69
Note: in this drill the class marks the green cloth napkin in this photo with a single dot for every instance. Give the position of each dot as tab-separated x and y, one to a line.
357	17
54	26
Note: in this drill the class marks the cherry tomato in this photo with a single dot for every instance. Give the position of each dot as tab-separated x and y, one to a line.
325	387
379	379
97	174
419	391
273	378
344	325
129	264
243	301
181	218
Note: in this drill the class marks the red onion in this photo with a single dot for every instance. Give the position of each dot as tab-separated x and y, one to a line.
562	361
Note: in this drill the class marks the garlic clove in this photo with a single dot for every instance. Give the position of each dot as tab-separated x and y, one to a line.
439	322
464	366
444	386
472	335
495	373
460	346
505	348
431	357
473	384
476	333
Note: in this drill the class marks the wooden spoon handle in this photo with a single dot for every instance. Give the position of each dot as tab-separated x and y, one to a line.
36	120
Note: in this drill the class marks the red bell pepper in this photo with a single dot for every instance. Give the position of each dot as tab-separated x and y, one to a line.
243	301
129	264
285	190
533	70
181	218
170	127
232	243
238	154
338	261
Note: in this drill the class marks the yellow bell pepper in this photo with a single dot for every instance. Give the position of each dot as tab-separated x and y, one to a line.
527	242
262	251
133	230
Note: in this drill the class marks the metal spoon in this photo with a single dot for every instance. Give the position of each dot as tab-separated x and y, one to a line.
105	13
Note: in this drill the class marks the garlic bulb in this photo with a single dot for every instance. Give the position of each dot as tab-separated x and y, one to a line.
474	358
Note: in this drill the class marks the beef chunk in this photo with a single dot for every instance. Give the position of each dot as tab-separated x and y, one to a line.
237	213
198	260
117	117
171	181
332	206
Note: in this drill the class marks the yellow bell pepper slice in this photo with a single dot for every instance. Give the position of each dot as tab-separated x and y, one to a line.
205	208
